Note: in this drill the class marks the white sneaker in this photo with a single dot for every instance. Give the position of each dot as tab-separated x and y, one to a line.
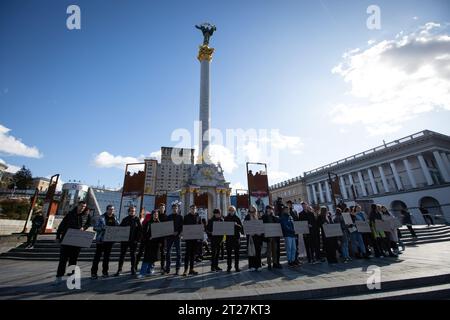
140	276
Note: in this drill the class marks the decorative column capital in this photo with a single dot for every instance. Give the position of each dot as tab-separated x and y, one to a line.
205	53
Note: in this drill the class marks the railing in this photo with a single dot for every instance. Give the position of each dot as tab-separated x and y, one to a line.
370	151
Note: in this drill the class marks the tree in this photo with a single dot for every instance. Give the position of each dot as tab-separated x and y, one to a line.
23	179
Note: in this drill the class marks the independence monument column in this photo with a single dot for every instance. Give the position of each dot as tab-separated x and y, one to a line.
205	56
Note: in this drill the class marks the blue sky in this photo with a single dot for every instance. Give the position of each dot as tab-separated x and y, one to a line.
123	83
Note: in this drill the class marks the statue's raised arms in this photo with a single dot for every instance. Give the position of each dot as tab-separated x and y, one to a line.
207	30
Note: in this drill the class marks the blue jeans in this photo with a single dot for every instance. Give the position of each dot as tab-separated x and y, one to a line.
173	241
290	248
344	246
357	243
146	268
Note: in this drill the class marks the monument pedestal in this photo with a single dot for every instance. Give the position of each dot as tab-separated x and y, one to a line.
206	179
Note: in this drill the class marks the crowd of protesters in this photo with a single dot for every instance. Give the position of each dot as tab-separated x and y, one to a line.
313	248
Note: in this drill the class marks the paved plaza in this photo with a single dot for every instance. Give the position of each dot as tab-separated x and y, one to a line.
419	265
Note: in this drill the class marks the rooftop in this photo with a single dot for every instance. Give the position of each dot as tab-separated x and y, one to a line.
382	148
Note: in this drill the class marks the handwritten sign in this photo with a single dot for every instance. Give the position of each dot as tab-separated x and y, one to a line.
162	229
363	226
116	234
301	227
193	232
332	230
347	218
252	227
223	228
272	230
78	238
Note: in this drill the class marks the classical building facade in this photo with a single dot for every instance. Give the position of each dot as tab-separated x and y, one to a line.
407	173
293	189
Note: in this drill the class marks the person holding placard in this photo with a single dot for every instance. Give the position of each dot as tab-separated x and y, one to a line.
79	219
367	237
215	240
356	238
103	248
151	246
381	245
393	235
174	240
312	240
233	243
190	245
141	250
330	243
255	242
345	235
135	225
294	215
162	218
273	244
287	226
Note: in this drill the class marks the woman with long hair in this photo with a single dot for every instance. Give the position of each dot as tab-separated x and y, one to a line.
151	246
254	262
330	244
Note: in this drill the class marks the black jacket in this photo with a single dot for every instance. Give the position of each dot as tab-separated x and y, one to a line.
177	223
73	220
37	221
135	227
191	219
294	214
238	229
266	218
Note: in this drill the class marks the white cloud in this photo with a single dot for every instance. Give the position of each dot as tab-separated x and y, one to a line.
223	155
277	176
156	155
107	160
237	186
396	80
11	168
10	145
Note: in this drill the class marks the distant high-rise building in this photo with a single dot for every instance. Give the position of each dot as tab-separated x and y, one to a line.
171	173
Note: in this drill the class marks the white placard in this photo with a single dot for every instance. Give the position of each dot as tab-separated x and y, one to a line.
272	230
347	218
393	223
221	228
382	225
363	226
162	229
252	227
301	227
78	238
332	230
193	231
116	234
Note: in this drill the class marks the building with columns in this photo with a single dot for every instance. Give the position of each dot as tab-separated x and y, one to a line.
410	172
